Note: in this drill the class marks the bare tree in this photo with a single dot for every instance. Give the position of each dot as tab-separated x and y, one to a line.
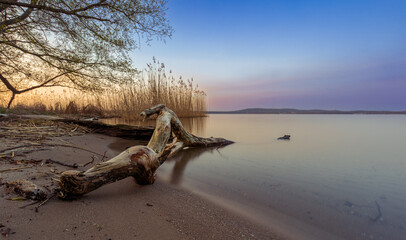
74	43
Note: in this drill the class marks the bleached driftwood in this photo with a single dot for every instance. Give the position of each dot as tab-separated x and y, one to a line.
140	162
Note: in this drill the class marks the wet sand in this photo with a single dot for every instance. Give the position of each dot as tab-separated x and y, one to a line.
122	210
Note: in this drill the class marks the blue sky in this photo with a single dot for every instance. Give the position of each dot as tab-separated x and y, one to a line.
302	54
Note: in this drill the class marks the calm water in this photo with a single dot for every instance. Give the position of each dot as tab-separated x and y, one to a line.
340	176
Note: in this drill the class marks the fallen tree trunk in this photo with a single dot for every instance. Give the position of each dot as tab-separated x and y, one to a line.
120	130
140	162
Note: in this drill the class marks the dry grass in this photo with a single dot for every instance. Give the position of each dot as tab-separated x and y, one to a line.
150	87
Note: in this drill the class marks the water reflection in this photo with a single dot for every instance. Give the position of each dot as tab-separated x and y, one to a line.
182	159
342	174
179	161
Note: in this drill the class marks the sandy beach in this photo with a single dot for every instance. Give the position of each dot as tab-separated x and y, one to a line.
121	210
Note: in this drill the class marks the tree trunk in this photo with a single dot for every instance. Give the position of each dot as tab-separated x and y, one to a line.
11	100
140	162
122	131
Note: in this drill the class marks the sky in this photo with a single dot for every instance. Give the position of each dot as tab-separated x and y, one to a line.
305	54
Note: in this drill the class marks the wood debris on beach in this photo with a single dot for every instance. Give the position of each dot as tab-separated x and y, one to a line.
30	135
20	136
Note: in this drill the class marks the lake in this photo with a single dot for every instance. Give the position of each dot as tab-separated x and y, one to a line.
339	177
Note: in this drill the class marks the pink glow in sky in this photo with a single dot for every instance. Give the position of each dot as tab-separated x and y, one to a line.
343	55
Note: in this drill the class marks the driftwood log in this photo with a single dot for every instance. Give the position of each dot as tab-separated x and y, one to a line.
139	162
120	130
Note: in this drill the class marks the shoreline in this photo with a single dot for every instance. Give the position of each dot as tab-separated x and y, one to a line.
121	210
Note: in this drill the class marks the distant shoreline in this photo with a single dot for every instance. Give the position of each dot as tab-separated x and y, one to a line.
298	111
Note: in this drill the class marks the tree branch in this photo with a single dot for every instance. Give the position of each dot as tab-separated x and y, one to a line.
18	19
93	36
3	7
15	91
8	84
74	12
44	83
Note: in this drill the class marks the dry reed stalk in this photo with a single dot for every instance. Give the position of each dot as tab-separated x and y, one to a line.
148	88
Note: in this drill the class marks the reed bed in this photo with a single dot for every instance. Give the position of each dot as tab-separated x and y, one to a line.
151	86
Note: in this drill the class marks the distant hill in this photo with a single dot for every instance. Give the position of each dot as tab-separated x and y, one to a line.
298	111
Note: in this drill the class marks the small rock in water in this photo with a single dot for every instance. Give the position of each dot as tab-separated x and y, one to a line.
348	204
285	137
